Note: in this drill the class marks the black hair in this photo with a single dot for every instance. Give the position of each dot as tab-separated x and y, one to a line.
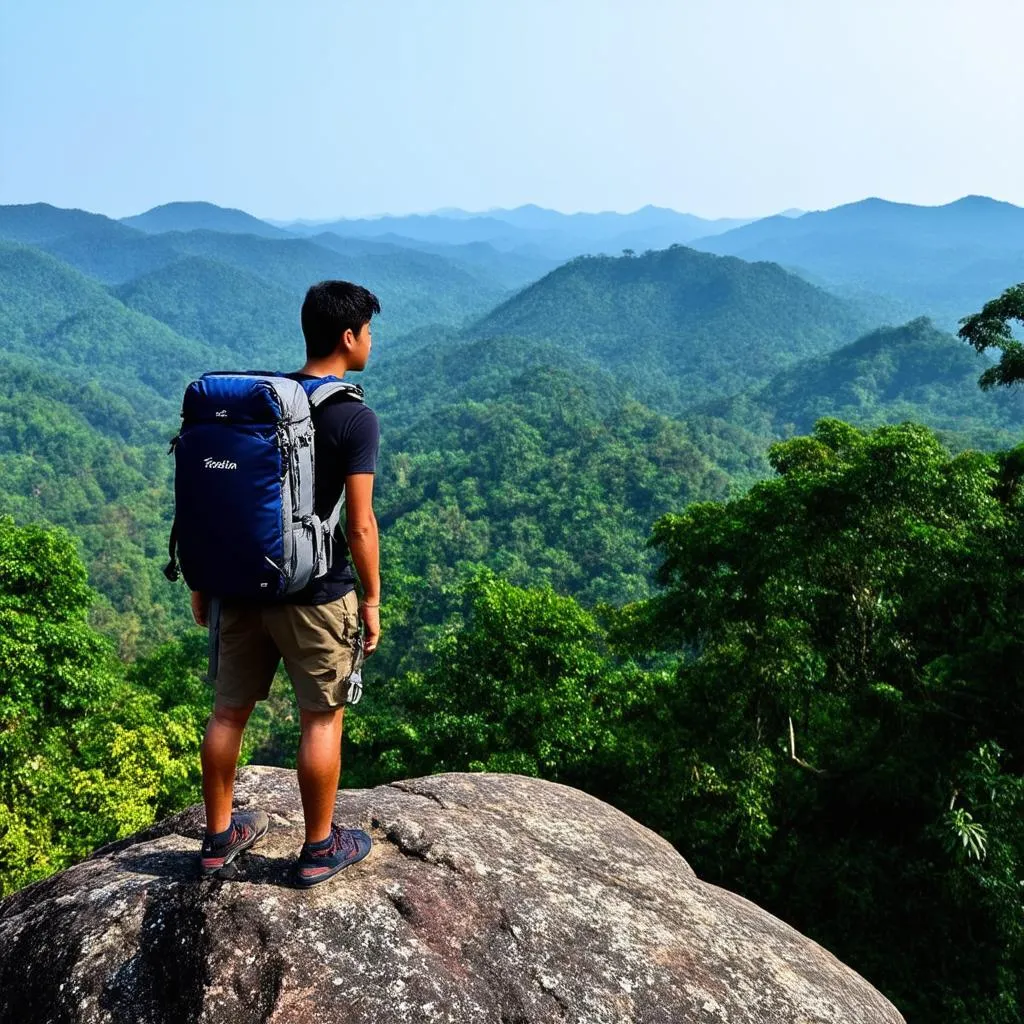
330	309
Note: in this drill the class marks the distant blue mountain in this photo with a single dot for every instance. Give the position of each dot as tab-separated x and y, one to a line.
38	223
534	231
202	217
425	228
971	220
611	225
945	261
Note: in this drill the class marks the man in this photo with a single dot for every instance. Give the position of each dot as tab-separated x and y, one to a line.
317	631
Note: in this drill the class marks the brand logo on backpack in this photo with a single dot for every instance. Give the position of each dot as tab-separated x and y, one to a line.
219	464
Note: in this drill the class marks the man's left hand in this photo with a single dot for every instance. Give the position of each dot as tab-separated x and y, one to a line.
200	608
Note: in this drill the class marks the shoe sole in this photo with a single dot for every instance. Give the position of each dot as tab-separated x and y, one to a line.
227	868
325	873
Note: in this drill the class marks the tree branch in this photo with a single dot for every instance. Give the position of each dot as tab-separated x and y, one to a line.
792	751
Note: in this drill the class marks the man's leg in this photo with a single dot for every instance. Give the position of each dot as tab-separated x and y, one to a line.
319	768
219	754
318	645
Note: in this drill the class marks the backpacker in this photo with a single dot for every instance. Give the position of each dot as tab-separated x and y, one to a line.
244	524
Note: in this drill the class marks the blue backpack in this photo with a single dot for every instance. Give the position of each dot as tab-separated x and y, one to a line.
244	524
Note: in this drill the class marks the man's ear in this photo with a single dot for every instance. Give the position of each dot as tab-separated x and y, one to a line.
347	340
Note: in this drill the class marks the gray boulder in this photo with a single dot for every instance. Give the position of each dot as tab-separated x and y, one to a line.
487	898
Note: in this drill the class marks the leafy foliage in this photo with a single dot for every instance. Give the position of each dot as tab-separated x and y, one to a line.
84	756
992	329
520	680
821	708
851	638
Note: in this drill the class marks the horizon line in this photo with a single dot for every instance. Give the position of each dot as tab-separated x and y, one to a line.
446	212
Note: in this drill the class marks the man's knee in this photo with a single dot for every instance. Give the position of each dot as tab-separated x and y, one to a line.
310	721
225	714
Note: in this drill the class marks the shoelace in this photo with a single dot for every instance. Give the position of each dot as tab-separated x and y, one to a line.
212	846
341	841
237	833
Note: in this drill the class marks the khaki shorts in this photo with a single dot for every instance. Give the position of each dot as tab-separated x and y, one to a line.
317	643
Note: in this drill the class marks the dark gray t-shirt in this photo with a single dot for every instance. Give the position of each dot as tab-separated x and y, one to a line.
346	440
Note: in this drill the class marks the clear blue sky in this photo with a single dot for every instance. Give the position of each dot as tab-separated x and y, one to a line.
312	108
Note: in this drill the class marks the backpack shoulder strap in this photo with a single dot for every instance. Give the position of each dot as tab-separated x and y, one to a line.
317	396
331	523
329	388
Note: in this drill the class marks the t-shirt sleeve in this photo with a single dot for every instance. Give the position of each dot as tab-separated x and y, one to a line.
360	441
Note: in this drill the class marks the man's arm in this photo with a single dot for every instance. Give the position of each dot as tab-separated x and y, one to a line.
363	545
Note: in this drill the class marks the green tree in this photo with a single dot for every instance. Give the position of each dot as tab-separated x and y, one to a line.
848	712
992	328
522	681
85	757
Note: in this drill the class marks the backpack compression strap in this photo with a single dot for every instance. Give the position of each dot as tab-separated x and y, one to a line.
171	570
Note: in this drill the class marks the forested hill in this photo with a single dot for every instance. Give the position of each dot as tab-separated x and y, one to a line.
222	305
678	326
40	222
945	261
420	287
913	372
53	315
546	483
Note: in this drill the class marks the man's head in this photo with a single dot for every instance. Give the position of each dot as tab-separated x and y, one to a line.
336	319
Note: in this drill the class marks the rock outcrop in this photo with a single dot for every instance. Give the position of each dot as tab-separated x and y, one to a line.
487	898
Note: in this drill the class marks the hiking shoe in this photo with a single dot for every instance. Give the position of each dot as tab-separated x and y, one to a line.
320	861
220	850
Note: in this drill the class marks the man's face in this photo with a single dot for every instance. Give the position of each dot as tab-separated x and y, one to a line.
359	351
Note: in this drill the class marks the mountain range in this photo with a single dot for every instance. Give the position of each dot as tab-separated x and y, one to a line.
943	261
537	231
894	261
537	416
420	287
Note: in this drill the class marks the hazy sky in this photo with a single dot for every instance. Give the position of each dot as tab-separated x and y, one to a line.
313	108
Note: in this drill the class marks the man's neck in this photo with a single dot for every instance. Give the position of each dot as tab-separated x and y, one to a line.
333	366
